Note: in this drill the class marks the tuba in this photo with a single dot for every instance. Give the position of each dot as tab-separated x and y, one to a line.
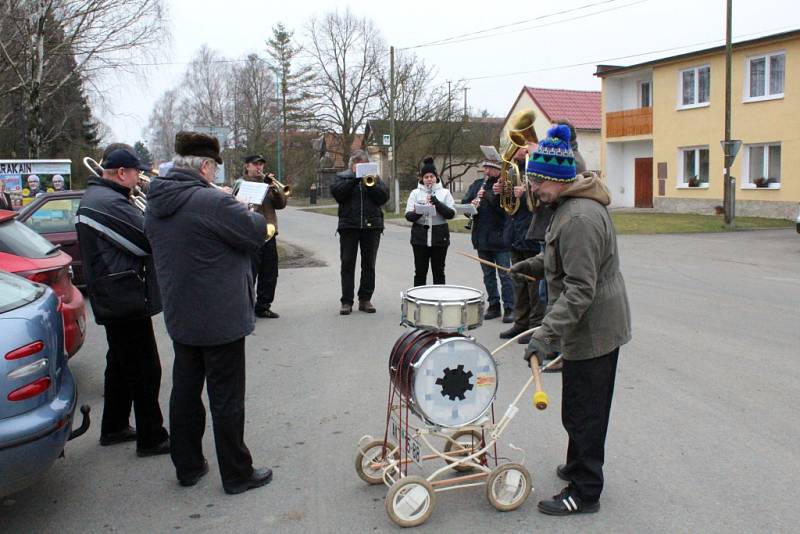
520	133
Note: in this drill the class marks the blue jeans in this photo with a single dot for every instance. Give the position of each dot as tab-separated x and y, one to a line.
502	258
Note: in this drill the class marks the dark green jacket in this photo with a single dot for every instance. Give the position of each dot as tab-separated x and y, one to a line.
587	311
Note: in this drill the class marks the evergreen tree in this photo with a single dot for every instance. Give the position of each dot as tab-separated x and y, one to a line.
294	80
142	153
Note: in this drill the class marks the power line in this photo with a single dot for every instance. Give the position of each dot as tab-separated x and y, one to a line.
477	35
601	61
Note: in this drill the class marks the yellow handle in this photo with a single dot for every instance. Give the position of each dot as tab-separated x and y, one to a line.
540	400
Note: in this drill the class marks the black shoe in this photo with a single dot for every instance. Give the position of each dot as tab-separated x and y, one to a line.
258	478
266	314
566	503
194	479
561	472
508	316
493	312
366	306
112	438
161	448
511	332
346	309
524	340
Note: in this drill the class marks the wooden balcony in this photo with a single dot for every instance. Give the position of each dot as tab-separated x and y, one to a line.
629	122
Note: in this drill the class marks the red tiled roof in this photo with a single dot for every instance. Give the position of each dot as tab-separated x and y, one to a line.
581	108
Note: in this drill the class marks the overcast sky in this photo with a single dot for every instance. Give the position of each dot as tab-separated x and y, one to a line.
535	47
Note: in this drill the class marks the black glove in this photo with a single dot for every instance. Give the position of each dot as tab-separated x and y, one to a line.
542	350
522	268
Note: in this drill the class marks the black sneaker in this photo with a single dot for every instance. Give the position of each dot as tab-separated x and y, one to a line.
511	332
194	479
266	314
566	503
155	450
112	438
508	316
258	478
493	312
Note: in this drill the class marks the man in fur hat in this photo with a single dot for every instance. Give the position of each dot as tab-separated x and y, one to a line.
202	241
587	317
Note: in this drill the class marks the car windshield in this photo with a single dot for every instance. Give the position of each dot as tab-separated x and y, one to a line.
18	239
16	291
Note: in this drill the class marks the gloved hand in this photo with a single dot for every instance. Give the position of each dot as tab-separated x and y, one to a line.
542	350
522	268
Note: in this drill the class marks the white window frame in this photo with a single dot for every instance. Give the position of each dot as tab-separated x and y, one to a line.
696	104
683	181
767	96
649	92
747	180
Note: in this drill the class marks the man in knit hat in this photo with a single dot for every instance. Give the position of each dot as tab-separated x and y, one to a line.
587	317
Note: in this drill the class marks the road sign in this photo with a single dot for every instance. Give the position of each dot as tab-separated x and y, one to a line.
387	139
730	149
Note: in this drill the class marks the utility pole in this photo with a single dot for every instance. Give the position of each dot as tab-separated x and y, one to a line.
449	137
392	146
465	103
729	202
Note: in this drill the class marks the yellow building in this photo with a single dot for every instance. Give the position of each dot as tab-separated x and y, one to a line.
663	122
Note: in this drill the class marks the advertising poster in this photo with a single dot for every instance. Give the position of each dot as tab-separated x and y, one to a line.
25	179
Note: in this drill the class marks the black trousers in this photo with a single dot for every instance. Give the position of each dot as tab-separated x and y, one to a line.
528	309
587	390
132	379
265	273
423	256
350	240
222	367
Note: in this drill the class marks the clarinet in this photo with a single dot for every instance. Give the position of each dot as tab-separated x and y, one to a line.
468	226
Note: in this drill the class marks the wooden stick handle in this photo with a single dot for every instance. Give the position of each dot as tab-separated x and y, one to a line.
540	399
506	269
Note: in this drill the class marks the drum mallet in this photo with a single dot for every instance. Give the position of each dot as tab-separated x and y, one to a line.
490	264
540	399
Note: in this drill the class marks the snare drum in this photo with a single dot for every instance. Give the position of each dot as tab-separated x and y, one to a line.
442	308
449	380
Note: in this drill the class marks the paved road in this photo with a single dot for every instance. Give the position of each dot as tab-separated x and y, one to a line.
704	432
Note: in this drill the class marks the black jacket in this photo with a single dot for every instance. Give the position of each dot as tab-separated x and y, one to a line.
117	261
540	221
359	206
202	240
491	226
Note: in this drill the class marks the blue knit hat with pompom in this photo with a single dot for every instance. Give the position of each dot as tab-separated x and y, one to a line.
553	159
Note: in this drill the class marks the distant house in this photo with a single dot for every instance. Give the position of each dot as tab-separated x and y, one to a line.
331	158
454	145
663	121
581	108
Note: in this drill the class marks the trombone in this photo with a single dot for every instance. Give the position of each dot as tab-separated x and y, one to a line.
138	197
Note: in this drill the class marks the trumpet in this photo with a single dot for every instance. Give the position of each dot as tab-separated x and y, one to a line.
138	197
369	180
286	189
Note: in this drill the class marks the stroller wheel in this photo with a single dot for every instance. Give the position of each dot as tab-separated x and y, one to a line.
508	487
410	501
372	459
467	441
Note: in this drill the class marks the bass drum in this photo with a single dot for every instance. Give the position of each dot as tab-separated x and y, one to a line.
449	380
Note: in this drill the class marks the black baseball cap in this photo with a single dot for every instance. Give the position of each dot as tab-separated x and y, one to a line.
257	158
123	159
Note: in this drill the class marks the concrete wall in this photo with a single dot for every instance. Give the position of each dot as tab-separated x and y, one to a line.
589	145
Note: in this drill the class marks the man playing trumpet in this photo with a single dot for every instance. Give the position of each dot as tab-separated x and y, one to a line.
265	260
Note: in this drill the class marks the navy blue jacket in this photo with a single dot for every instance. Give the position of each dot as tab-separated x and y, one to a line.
491	226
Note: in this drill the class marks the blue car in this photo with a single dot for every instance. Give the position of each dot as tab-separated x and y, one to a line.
37	391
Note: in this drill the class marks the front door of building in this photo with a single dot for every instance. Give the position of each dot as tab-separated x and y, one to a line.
643	185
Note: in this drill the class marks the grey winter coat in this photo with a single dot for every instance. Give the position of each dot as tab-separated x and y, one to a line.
202	240
587	311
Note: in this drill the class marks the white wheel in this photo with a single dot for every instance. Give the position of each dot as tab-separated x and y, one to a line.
372	459
410	501
464	443
508	487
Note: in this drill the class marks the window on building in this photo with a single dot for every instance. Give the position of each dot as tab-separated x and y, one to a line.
644	95
694	166
766	75
762	166
695	86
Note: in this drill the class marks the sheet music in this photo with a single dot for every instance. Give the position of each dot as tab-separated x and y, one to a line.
252	192
366	169
425	209
466	209
490	153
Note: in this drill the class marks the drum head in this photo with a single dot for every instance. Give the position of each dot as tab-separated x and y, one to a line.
455	382
444	293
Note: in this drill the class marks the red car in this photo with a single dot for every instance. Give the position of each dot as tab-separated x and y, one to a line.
52	216
26	253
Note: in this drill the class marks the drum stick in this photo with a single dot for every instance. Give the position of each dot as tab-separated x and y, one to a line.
540	399
506	269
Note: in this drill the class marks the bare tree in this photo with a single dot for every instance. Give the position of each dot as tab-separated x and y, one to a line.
166	119
255	111
347	54
204	88
37	37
